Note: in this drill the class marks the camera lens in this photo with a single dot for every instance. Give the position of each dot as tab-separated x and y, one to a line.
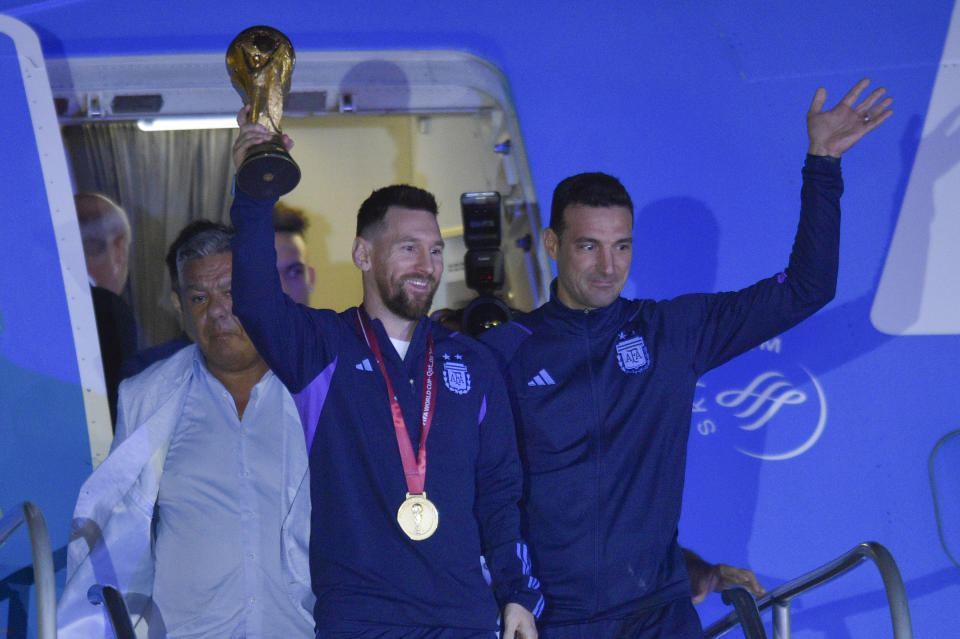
484	313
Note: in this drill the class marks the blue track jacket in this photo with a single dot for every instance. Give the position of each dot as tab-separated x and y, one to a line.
363	567
604	400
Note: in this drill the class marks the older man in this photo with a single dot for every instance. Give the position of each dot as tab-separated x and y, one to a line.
296	277
105	232
200	514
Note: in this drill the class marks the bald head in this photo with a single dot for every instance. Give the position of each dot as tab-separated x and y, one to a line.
105	232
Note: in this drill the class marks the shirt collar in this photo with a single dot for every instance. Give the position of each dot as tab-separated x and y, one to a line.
202	372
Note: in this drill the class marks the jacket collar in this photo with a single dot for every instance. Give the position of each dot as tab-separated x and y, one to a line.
418	341
595	320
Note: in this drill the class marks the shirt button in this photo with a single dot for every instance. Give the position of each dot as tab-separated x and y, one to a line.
252	600
251	555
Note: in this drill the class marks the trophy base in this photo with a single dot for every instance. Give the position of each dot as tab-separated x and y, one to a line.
267	172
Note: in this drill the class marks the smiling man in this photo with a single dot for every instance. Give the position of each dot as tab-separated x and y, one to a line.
200	514
603	421
396	535
395	550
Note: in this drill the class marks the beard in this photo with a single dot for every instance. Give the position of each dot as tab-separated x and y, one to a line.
399	302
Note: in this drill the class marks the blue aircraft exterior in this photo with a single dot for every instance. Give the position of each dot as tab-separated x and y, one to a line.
698	107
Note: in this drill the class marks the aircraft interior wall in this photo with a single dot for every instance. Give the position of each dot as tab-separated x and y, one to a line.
699	109
345	157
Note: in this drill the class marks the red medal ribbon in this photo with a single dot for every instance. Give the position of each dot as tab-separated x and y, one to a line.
415	470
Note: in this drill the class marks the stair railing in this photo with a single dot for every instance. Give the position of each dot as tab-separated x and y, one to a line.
43	579
779	599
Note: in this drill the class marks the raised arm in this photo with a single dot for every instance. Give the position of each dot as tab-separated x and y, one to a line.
296	341
733	323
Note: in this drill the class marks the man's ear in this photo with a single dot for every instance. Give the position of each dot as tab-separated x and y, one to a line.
552	243
361	253
119	248
311	278
175	301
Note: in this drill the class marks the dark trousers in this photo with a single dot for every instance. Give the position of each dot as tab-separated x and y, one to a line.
674	620
356	630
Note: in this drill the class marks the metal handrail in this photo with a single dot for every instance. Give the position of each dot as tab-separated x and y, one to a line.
780	598
745	607
43	579
102	595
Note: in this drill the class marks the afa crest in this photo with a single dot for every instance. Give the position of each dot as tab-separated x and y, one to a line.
456	377
632	355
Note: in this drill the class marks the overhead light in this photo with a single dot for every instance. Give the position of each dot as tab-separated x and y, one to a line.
177	123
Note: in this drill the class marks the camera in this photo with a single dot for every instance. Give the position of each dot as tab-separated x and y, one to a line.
483	262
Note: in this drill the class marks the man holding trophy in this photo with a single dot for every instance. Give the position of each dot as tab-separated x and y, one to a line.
394	551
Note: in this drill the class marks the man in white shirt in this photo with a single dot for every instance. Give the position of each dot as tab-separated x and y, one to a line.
200	515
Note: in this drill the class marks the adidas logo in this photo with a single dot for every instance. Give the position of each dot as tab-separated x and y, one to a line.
364	365
541	379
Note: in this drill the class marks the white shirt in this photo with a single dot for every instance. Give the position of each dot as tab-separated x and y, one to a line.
401	347
218	567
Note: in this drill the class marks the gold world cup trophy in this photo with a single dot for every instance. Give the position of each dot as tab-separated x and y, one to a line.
260	62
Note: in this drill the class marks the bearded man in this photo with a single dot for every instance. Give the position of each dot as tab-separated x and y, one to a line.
394	551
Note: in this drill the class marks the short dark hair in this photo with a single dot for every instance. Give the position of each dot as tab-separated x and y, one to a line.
587	189
374	208
188	232
289	219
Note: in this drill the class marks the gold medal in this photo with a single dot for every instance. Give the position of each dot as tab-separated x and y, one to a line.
417	516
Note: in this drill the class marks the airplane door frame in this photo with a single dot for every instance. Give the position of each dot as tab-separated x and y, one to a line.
59	196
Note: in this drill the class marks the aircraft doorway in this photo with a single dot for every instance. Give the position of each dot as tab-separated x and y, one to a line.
439	120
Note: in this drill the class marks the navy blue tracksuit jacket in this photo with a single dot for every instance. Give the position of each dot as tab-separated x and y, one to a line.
364	569
603	401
